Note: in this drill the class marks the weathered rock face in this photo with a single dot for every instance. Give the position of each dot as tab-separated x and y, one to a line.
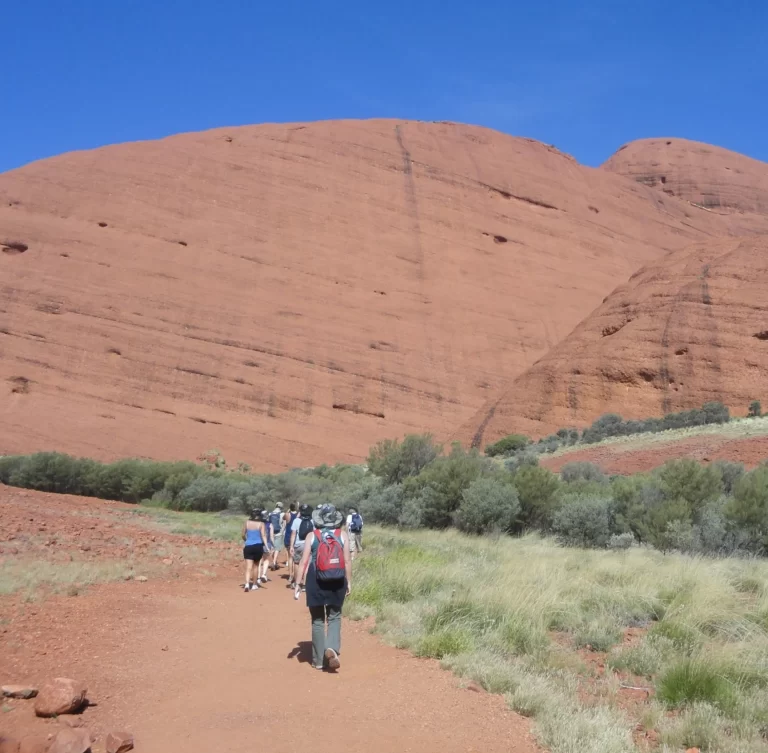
681	332
291	294
706	175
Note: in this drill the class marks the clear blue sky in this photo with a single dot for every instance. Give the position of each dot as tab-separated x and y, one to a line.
585	76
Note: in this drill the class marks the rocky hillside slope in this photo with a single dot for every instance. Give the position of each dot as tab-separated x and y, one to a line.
683	331
291	294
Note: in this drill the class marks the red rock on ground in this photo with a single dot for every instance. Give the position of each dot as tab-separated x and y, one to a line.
119	742
60	696
291	294
684	331
71	741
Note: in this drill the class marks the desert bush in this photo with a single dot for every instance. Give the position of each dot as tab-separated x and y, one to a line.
690	481
539	492
730	473
395	461
520	459
379	503
755	409
621	541
584	522
440	486
748	508
212	493
609	425
507	445
716	413
571	472
488	504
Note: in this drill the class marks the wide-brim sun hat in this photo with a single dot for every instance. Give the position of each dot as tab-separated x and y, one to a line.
327	516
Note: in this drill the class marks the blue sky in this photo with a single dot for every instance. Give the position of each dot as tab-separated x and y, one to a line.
585	76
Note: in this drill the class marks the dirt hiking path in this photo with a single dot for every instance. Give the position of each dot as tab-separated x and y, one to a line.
236	677
198	666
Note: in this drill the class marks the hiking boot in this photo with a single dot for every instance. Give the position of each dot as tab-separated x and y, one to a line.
332	658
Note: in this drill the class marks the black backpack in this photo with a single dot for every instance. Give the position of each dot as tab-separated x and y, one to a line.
305	528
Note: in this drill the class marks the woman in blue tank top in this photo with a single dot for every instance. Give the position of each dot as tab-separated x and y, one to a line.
253	537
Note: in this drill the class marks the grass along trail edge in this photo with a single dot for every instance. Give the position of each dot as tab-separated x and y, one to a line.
548	627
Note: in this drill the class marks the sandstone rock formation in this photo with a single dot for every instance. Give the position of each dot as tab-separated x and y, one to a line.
683	331
702	174
291	294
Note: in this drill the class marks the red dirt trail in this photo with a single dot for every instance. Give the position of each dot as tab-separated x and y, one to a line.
191	663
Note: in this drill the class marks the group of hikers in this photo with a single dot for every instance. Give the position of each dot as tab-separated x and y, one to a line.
320	546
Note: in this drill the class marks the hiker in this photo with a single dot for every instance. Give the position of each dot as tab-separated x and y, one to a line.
355	531
288	519
326	572
253	550
276	523
268	545
301	527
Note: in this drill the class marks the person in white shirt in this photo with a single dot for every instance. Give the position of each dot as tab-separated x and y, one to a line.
355	531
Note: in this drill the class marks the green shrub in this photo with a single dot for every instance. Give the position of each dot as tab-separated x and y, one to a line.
213	493
539	492
521	459
583	522
755	409
440	486
716	413
380	504
609	425
488	505
690	481
395	461
748	508
572	472
507	445
730	473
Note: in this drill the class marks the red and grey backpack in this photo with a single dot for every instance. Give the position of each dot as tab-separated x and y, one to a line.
329	560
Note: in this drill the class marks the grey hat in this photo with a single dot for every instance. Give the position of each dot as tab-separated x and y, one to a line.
327	516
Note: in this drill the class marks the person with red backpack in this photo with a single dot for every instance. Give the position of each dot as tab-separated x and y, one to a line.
326	572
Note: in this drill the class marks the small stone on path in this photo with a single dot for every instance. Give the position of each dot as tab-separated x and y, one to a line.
71	741
119	742
19	691
60	696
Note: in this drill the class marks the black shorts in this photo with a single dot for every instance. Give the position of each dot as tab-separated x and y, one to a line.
253	552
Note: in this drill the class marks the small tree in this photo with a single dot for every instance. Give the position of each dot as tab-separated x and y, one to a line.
755	409
488	505
539	492
584	522
394	461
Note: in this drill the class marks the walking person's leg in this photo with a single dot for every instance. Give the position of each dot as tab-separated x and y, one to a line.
359	542
318	636
333	639
248	573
